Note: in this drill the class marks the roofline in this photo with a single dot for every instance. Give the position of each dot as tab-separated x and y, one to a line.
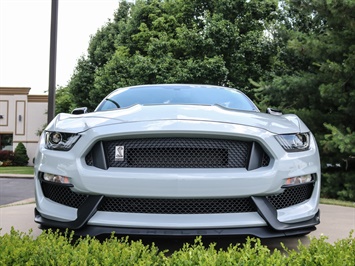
14	90
38	98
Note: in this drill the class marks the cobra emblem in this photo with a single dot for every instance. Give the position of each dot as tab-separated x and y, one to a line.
119	153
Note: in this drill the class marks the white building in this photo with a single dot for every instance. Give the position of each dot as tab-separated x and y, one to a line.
22	117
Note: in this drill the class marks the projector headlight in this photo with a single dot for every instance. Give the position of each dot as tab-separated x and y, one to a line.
60	141
294	142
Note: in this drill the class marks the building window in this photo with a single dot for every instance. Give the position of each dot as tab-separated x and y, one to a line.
6	142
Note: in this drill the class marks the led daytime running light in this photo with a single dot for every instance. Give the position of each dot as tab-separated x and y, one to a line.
56	178
298	180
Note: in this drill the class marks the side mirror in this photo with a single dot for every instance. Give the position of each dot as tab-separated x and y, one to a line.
272	111
80	110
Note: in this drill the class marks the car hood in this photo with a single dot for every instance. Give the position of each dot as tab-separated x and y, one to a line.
279	124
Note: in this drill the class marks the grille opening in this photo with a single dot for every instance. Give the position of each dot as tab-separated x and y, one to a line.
291	196
62	194
177	206
176	153
177	157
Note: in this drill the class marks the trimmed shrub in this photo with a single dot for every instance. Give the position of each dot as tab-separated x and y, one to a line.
20	155
57	249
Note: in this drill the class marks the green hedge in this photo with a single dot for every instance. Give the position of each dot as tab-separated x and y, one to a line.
338	185
51	248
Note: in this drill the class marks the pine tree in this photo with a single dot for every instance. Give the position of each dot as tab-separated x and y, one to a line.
20	158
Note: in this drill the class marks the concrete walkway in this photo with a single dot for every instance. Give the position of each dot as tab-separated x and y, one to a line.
19	215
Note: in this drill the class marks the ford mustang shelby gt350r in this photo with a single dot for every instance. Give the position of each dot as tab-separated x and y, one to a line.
178	160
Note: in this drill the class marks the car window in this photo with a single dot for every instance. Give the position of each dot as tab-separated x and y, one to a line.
199	95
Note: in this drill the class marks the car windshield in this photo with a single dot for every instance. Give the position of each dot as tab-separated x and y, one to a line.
177	94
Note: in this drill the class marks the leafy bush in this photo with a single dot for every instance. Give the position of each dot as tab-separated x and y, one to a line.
57	249
54	248
20	156
338	185
6	157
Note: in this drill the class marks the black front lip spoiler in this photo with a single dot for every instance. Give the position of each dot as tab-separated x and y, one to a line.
264	208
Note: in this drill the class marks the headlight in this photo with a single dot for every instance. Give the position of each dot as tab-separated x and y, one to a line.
294	142
60	141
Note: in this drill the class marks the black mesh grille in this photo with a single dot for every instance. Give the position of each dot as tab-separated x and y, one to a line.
292	196
89	160
266	160
177	206
62	195
178	153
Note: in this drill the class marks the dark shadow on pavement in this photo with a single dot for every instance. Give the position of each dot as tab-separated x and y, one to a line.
172	244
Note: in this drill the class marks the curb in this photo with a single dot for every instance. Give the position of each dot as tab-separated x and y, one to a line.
20	176
21	202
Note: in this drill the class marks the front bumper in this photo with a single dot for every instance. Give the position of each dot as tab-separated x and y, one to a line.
274	227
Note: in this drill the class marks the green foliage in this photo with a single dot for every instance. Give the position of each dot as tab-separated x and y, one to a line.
219	42
320	252
250	253
81	83
339	185
336	202
57	249
20	155
6	157
314	76
321	75
51	248
64	102
337	140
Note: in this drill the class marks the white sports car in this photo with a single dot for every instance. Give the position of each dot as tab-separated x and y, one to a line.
176	159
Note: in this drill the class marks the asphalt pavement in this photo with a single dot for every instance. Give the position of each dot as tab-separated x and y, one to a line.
16	189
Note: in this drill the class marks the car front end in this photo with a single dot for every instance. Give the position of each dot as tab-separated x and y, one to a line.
178	170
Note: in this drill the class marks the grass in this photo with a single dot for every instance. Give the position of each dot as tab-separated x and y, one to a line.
337	202
26	170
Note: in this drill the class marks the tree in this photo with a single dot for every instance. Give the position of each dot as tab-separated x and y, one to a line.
20	155
64	100
101	48
315	77
215	42
320	84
